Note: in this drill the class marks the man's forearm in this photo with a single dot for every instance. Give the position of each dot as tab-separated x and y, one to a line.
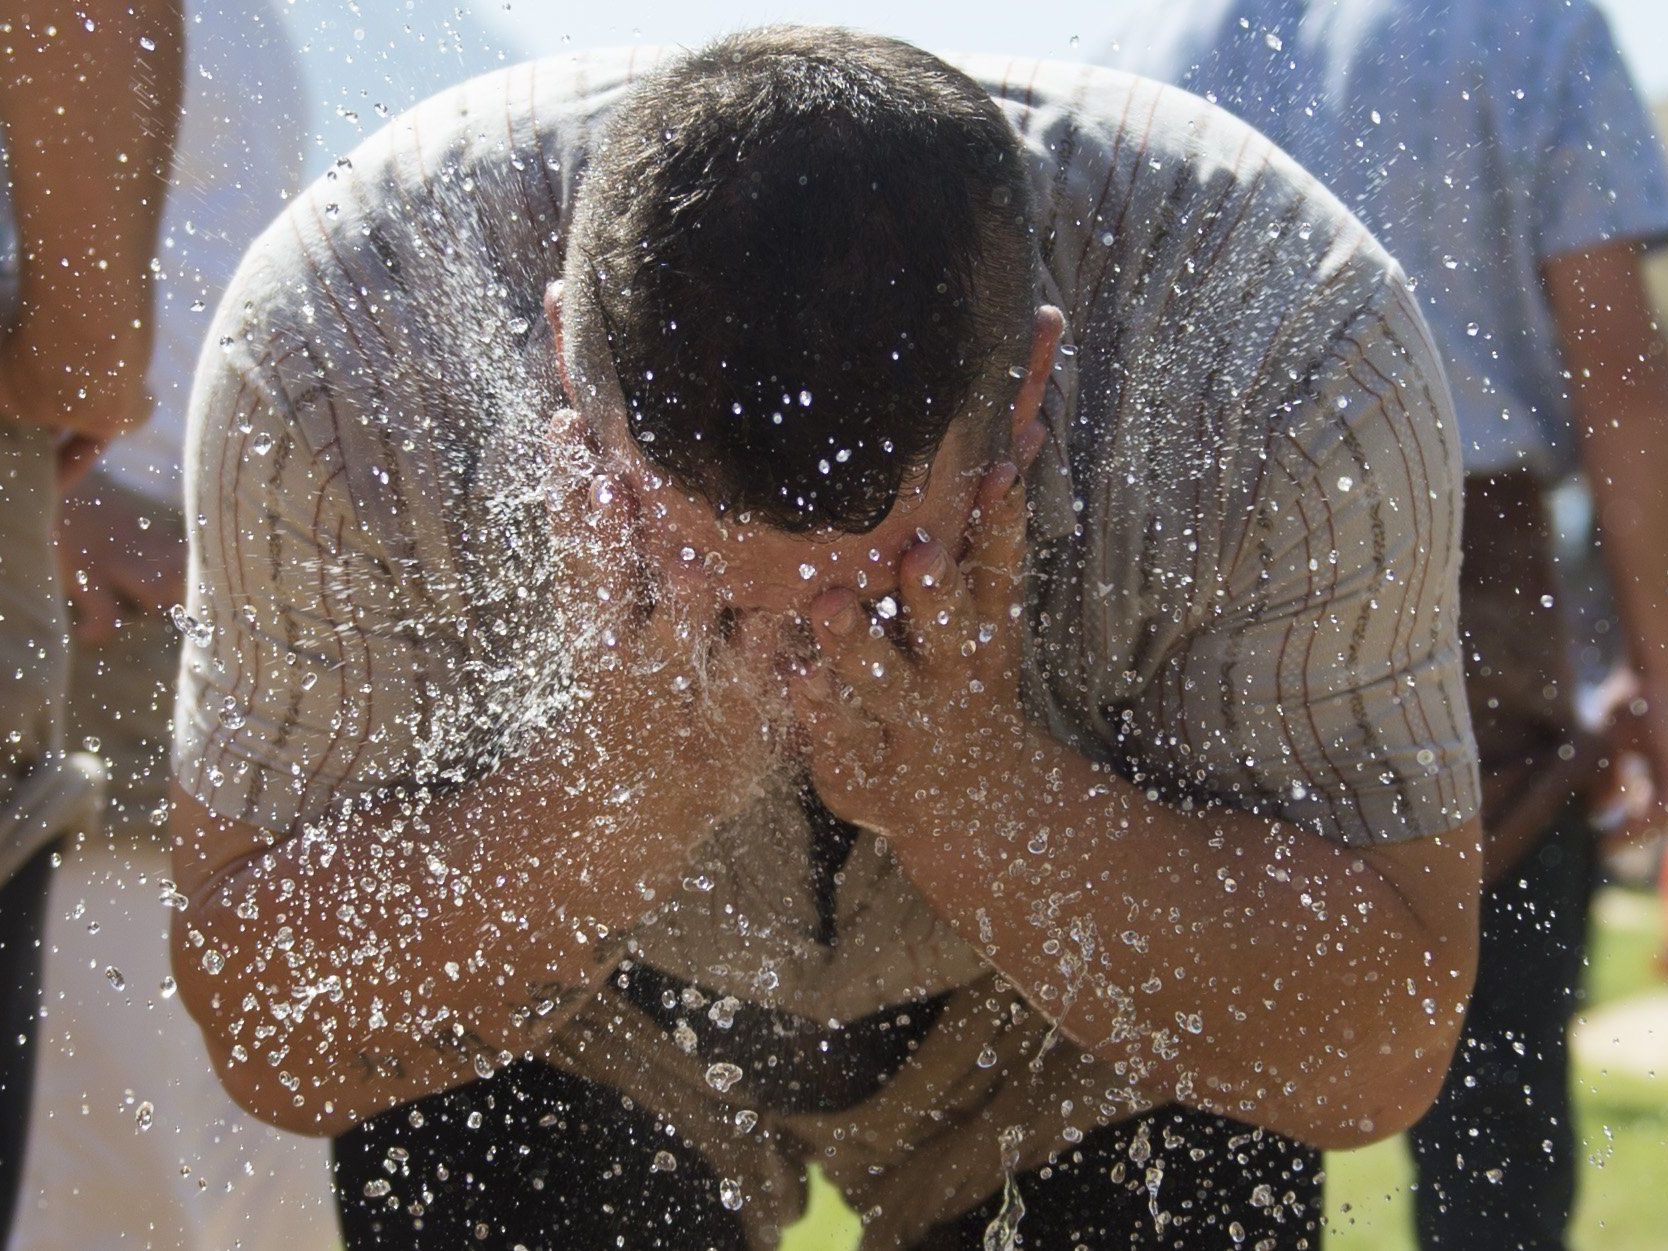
336	976
1626	458
1219	959
89	100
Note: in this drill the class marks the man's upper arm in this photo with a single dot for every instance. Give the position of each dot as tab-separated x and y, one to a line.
309	663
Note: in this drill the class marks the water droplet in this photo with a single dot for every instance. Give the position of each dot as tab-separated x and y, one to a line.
807	571
147	43
144	1114
723	1075
729	1194
664	1162
195	631
987	1057
1274	41
1345	482
169	987
213	962
115	977
1472	329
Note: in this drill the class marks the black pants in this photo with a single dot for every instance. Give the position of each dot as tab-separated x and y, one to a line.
540	1159
22	923
1496	1157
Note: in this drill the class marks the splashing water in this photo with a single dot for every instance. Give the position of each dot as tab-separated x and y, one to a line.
1002	1234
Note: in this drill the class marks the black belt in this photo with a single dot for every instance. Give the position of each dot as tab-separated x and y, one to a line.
789	1063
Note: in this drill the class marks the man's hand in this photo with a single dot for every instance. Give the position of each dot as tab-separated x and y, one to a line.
119	558
1101	904
1630	803
668	695
901	733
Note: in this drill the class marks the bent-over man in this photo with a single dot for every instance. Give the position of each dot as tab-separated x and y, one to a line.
929	651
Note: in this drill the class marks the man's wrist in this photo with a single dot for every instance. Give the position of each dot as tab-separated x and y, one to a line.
1005	799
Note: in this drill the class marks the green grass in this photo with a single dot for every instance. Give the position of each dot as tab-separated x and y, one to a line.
1622	1122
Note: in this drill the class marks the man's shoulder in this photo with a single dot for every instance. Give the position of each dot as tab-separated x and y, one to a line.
1117	149
409	277
464	152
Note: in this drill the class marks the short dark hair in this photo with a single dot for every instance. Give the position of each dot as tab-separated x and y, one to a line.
810	250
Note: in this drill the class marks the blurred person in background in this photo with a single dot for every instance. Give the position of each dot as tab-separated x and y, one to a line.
89	101
132	1135
1500	151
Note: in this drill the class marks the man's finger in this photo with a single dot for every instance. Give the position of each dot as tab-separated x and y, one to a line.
996	548
843	746
938	607
76	455
858	653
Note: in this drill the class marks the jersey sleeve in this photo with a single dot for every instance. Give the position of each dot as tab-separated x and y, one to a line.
1326	684
314	660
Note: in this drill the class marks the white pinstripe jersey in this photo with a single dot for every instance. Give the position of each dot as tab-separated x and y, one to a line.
1246	520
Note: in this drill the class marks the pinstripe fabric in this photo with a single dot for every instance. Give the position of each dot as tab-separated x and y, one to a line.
1246	522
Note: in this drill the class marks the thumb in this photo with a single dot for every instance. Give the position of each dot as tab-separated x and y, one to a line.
996	543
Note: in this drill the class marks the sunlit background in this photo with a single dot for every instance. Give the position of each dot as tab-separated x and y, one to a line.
394	52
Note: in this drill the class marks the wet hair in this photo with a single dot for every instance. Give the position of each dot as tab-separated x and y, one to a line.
805	252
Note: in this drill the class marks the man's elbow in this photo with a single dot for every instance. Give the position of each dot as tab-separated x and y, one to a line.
263	1096
1394	1088
258	1089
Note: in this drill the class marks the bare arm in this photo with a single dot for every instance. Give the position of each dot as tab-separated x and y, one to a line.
1614	353
397	951
1169	941
89	97
335	978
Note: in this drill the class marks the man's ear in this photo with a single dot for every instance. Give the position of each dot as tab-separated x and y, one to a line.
553	314
1047	328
